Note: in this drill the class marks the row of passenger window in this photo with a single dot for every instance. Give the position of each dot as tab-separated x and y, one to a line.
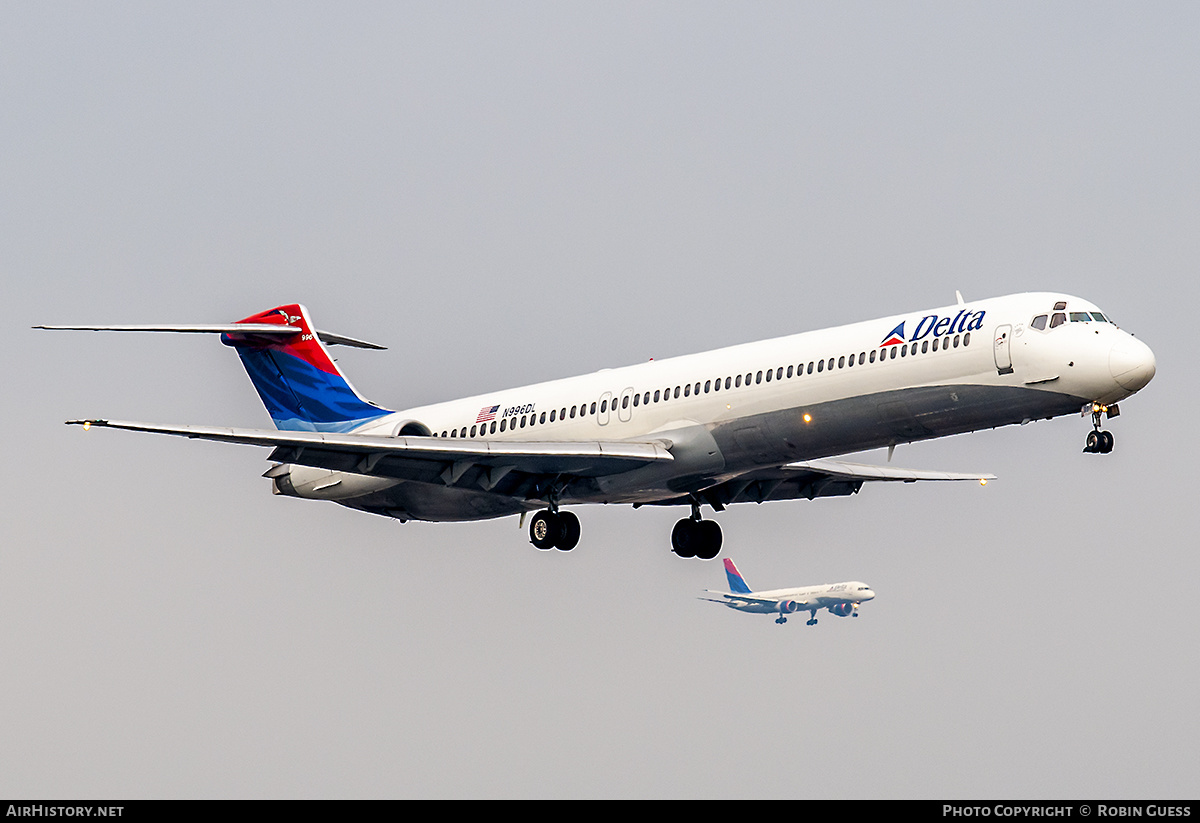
728	383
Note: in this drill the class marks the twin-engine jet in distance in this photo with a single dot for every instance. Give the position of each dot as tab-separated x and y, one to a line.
749	423
841	599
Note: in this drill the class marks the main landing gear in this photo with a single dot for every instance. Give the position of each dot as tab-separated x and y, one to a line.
694	537
554	530
1099	442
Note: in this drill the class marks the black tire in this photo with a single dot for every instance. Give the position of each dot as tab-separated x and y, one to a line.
1093	443
1106	442
685	538
710	539
569	538
545	529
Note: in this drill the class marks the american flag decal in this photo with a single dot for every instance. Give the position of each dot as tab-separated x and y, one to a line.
487	413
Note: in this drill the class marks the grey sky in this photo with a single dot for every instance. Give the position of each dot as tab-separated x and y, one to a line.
505	193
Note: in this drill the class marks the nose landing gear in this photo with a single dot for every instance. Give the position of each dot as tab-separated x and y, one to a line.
1098	441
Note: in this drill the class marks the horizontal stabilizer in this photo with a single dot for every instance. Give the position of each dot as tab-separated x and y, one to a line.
270	329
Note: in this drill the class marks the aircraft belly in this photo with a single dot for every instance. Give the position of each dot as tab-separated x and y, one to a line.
859	423
425	501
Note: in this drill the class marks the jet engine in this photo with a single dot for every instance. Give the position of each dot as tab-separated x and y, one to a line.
788	606
842	609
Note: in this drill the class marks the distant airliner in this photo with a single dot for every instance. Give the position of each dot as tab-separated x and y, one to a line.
748	423
841	599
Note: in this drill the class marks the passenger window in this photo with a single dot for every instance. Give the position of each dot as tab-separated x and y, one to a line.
935	344
1039	322
727	379
862	357
967	339
473	431
738	383
956	341
637	398
820	365
770	375
830	364
593	408
656	395
1057	320
893	354
903	351
676	394
522	421
707	386
687	390
872	355
925	347
625	402
542	419
758	378
572	412
779	373
697	389
842	362
789	373
503	424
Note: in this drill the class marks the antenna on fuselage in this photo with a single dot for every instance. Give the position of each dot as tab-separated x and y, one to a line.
958	295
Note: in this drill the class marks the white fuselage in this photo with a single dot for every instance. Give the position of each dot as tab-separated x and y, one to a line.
804	598
730	411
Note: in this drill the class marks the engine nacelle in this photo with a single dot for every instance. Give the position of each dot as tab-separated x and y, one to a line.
842	609
788	606
322	484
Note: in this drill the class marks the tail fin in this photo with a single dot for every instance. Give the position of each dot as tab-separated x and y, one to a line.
737	583
295	377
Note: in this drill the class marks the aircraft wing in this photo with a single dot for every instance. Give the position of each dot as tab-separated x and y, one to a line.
866	471
728	597
810	479
483	463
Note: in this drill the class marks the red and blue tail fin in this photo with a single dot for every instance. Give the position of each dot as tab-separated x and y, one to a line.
737	583
295	377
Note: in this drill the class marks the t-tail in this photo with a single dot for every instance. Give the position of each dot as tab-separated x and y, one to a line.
737	583
294	375
287	362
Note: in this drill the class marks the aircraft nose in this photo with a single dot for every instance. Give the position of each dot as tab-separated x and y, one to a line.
1131	363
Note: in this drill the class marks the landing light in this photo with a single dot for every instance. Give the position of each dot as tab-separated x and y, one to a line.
807	418
87	424
983	481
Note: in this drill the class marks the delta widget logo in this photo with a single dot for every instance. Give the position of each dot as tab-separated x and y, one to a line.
932	324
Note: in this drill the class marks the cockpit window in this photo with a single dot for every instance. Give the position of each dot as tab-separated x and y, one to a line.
1080	317
1057	320
1039	322
1100	317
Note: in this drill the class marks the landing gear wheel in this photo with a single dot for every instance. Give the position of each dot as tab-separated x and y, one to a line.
685	537
1099	442
710	540
545	530
569	538
696	538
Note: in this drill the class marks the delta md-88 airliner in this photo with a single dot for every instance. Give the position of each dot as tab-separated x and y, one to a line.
750	423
